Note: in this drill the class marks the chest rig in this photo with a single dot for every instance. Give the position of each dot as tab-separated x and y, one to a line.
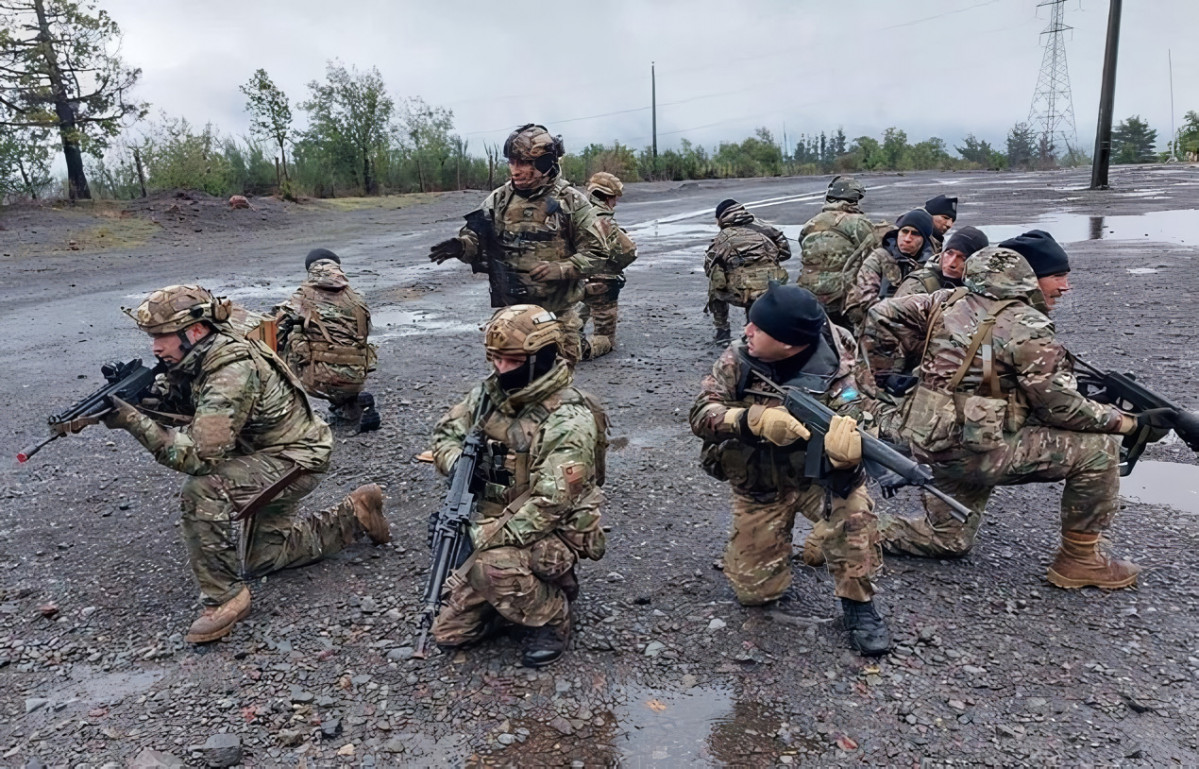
532	230
503	471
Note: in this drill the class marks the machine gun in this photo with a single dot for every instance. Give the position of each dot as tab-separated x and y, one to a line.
505	285
127	381
450	526
1127	394
881	461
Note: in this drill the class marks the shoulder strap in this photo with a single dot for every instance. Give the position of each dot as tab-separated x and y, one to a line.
982	338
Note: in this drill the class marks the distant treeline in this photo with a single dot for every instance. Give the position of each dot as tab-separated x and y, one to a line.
64	89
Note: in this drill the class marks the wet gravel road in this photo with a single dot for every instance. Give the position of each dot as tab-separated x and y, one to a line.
994	666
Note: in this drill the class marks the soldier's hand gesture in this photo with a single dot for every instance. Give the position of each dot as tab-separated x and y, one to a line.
447	249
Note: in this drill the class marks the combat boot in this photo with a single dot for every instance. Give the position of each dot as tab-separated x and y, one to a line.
545	644
599	345
370	419
868	631
723	337
368	509
1080	563
568	583
216	621
813	553
584	349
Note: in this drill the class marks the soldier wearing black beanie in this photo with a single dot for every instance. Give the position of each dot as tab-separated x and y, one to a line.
790	314
1041	252
316	254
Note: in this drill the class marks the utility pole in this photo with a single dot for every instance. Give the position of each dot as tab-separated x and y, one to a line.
1107	95
653	95
1173	131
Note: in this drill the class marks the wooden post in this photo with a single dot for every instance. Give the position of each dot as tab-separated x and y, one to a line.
141	174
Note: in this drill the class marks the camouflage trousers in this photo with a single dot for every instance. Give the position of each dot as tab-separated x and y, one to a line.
757	559
518	583
1087	462
718	305
600	307
277	537
572	326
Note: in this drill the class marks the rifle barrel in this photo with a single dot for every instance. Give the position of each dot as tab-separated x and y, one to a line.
24	455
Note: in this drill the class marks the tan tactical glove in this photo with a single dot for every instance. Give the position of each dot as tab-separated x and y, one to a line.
122	415
543	272
1128	424
446	250
770	423
843	444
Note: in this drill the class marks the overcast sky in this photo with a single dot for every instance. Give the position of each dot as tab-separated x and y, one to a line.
932	67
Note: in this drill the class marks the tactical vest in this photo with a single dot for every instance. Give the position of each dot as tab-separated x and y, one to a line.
321	342
532	230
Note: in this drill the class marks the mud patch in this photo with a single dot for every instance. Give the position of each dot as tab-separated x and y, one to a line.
393	322
1163	483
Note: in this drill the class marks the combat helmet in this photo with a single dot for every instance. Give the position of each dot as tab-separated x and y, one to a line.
522	329
170	310
605	184
845	188
534	143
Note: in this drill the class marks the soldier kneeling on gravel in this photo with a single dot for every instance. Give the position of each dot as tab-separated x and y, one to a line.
741	263
323	332
252	447
539	476
754	443
997	404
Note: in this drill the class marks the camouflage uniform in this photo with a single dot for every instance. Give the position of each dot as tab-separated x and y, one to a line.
250	424
879	277
534	527
1026	423
742	260
826	242
553	223
928	278
768	482
603	288
326	345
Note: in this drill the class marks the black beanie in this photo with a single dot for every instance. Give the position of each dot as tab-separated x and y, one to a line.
790	314
967	240
943	206
1041	252
724	205
316	254
920	220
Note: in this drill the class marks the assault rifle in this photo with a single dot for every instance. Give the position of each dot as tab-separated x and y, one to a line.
450	527
128	381
1127	394
506	288
881	461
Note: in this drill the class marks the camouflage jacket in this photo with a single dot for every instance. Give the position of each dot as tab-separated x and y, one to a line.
926	279
826	242
744	257
752	465
324	327
543	438
553	223
879	276
242	400
623	251
1033	369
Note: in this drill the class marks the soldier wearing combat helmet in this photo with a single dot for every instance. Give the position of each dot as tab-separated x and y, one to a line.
829	240
536	237
540	499
603	288
249	429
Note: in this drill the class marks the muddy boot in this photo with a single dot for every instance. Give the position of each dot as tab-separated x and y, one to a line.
370	419
723	337
545	644
368	509
868	631
813	553
217	621
584	349
1080	563
599	346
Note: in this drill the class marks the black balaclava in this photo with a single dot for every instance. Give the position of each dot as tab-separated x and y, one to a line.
535	366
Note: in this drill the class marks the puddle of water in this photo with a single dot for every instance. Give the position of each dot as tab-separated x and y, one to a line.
392	322
702	726
1181	227
1163	483
1141	271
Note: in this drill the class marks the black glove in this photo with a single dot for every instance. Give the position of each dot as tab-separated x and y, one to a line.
1158	419
898	384
447	249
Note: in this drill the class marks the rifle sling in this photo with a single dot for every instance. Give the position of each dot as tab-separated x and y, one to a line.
263	497
460	573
